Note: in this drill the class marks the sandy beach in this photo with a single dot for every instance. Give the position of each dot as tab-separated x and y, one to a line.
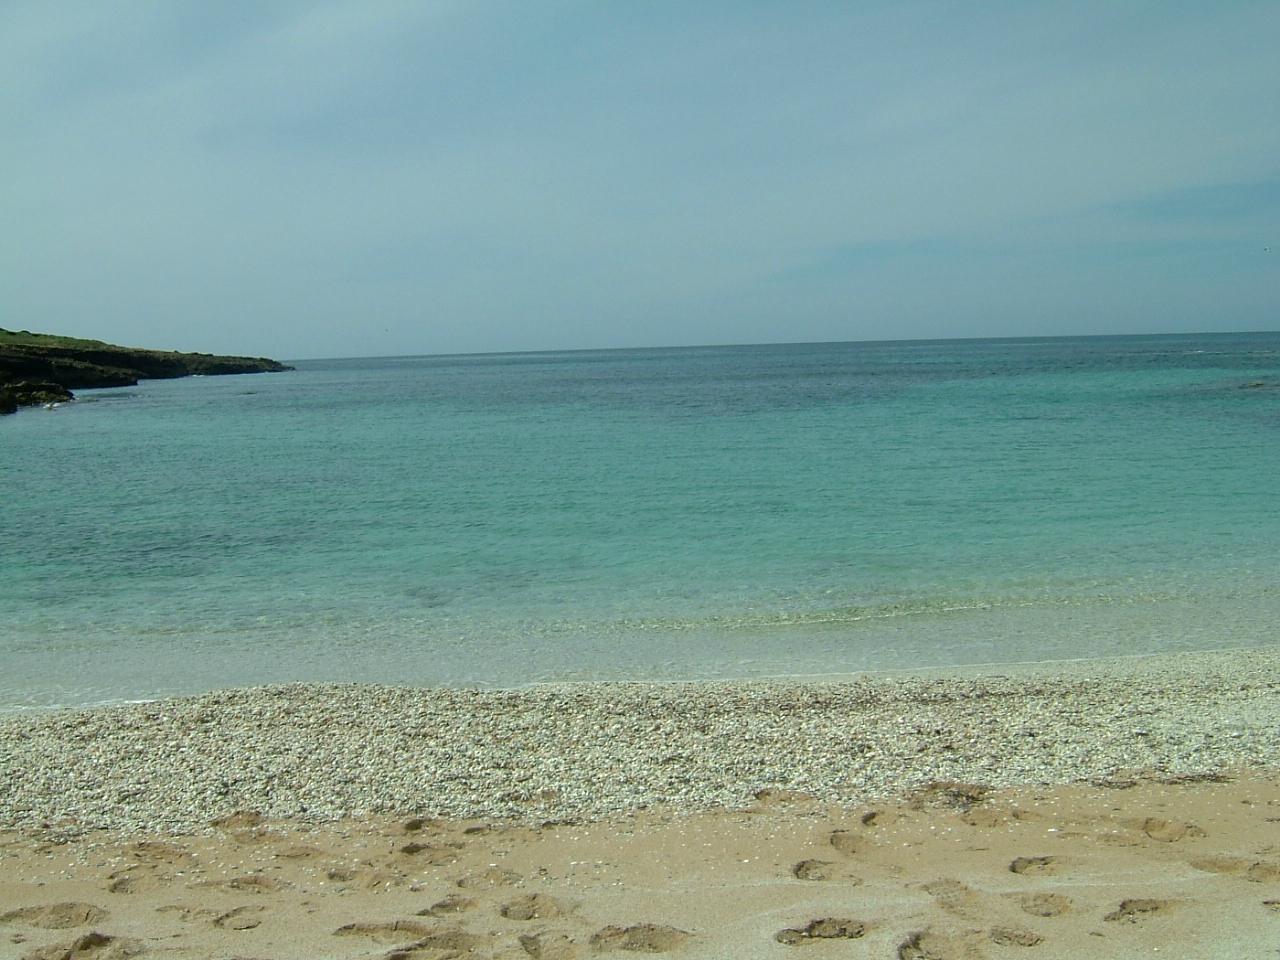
1091	809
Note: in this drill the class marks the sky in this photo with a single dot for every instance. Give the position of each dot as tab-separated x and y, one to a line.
383	177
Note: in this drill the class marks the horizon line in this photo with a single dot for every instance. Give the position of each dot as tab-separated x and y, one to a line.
782	343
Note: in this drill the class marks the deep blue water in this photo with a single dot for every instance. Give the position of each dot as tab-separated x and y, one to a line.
643	514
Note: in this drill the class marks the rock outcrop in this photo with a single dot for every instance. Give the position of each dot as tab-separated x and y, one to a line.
41	365
31	393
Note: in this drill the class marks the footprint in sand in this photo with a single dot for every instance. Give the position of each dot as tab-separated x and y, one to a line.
132	880
949	795
241	918
1257	871
827	928
928	945
435	855
1131	911
955	897
1112	838
875	819
413	936
1043	904
391	931
418	951
297	851
1034	866
89	946
1011	937
256	883
418	824
640	937
814	870
996	816
448	906
442	945
549	946
850	844
188	914
534	906
56	916
157	852
366	879
1170	831
492	877
1263	871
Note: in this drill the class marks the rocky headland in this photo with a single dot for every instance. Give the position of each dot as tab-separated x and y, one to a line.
38	368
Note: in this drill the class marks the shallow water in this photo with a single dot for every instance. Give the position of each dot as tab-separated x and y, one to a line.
646	514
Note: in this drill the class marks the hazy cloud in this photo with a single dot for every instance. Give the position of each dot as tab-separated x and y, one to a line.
317	179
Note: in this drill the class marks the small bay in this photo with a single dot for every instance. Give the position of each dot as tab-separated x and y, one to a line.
663	514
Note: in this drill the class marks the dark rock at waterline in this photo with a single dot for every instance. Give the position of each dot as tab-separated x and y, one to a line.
31	393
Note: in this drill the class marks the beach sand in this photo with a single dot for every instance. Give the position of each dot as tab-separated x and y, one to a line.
1144	822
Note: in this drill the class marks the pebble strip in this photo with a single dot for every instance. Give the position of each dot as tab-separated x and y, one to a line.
584	751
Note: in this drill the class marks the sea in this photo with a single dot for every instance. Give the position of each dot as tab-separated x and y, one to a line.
502	520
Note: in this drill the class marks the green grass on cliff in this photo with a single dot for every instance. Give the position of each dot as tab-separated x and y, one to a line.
25	338
74	362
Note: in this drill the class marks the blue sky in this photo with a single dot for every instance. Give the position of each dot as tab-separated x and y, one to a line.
387	177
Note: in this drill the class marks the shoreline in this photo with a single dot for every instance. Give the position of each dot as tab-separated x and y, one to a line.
322	752
985	668
1088	809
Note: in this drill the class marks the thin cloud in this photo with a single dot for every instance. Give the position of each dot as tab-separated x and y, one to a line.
389	177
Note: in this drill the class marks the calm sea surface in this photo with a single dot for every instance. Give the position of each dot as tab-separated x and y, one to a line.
643	514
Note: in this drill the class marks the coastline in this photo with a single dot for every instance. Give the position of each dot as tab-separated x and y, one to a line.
39	369
1088	808
321	752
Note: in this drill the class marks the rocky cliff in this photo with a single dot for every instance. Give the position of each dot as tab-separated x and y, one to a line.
71	363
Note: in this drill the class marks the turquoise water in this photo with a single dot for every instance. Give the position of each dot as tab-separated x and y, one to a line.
643	514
